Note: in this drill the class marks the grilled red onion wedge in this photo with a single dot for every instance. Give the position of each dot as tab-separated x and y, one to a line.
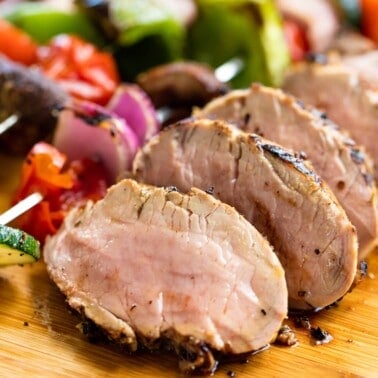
131	103
87	130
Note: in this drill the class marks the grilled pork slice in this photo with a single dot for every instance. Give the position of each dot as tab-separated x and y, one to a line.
365	64
346	98
335	157
276	191
149	264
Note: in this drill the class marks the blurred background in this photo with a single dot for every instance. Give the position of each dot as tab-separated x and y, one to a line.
264	36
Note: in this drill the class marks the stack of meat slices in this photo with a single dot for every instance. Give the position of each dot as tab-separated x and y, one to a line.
199	271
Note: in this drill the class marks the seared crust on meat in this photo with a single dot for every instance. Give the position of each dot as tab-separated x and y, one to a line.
275	190
343	164
149	263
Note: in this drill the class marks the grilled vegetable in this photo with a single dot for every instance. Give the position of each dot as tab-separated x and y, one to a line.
16	44
215	34
86	130
42	22
62	184
131	103
84	71
17	247
219	34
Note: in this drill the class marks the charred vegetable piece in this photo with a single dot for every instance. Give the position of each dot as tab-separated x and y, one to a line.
31	96
62	184
89	130
132	103
181	84
17	247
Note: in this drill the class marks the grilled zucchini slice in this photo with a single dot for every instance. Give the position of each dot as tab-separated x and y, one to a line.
17	247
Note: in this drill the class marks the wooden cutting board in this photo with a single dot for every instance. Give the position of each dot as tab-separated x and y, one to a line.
39	335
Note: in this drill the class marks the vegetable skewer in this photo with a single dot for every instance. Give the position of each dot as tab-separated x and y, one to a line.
223	73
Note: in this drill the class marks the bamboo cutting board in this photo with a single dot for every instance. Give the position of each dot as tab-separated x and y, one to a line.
39	335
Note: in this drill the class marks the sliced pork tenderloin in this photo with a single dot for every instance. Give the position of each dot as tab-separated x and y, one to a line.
272	188
149	264
343	95
335	157
365	64
349	42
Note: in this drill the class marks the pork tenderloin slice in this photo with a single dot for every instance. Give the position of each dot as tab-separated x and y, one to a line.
364	64
146	263
335	157
343	95
276	191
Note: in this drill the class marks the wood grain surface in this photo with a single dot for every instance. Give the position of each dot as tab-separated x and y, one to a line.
39	335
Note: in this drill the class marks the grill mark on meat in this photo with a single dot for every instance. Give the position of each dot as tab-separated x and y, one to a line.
369	179
357	155
184	137
210	190
316	58
237	157
297	162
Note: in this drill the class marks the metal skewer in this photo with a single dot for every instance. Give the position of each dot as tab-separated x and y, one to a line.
29	201
8	123
228	70
224	73
20	208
